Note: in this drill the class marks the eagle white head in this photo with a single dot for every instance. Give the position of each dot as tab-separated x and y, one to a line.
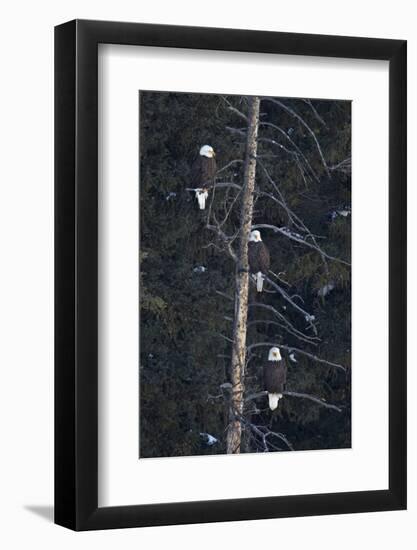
255	236
274	354
207	151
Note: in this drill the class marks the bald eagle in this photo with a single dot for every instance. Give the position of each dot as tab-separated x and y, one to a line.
275	377
259	260
203	172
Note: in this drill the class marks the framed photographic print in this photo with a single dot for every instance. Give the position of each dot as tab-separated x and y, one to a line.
230	275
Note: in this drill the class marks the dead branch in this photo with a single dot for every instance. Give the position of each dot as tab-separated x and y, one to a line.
279	277
344	166
263	432
234	109
297	149
304	123
313	398
229	164
307	316
315	112
217	185
297	350
227	241
224	295
294	218
287	233
288	326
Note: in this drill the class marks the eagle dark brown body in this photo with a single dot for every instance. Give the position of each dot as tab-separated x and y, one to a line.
259	259
203	172
275	376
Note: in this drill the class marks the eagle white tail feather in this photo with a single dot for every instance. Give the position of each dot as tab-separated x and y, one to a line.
201	197
259	281
273	399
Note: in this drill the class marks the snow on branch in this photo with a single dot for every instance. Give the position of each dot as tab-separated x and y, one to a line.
297	149
301	226
307	316
209	439
298	351
285	231
275	323
317	400
287	325
304	123
291	215
313	398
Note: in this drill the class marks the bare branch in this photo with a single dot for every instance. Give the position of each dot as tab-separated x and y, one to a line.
316	114
297	221
225	239
229	164
307	316
288	326
297	149
224	295
345	166
256	395
279	277
299	118
229	210
234	110
239	131
317	400
220	335
217	185
293	217
307	339
297	350
263	432
286	233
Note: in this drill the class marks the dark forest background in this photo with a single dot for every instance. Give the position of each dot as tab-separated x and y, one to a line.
184	356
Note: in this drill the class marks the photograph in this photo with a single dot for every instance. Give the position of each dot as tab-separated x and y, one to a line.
208	234
245	274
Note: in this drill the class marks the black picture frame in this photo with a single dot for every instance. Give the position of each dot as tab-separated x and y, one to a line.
76	271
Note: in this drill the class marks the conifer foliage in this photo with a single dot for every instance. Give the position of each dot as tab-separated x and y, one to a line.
188	262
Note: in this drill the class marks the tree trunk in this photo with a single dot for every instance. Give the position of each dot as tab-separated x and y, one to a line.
234	431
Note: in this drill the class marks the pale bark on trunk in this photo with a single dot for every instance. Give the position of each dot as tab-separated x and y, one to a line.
234	431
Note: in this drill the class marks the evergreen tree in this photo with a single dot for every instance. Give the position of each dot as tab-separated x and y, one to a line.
302	181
